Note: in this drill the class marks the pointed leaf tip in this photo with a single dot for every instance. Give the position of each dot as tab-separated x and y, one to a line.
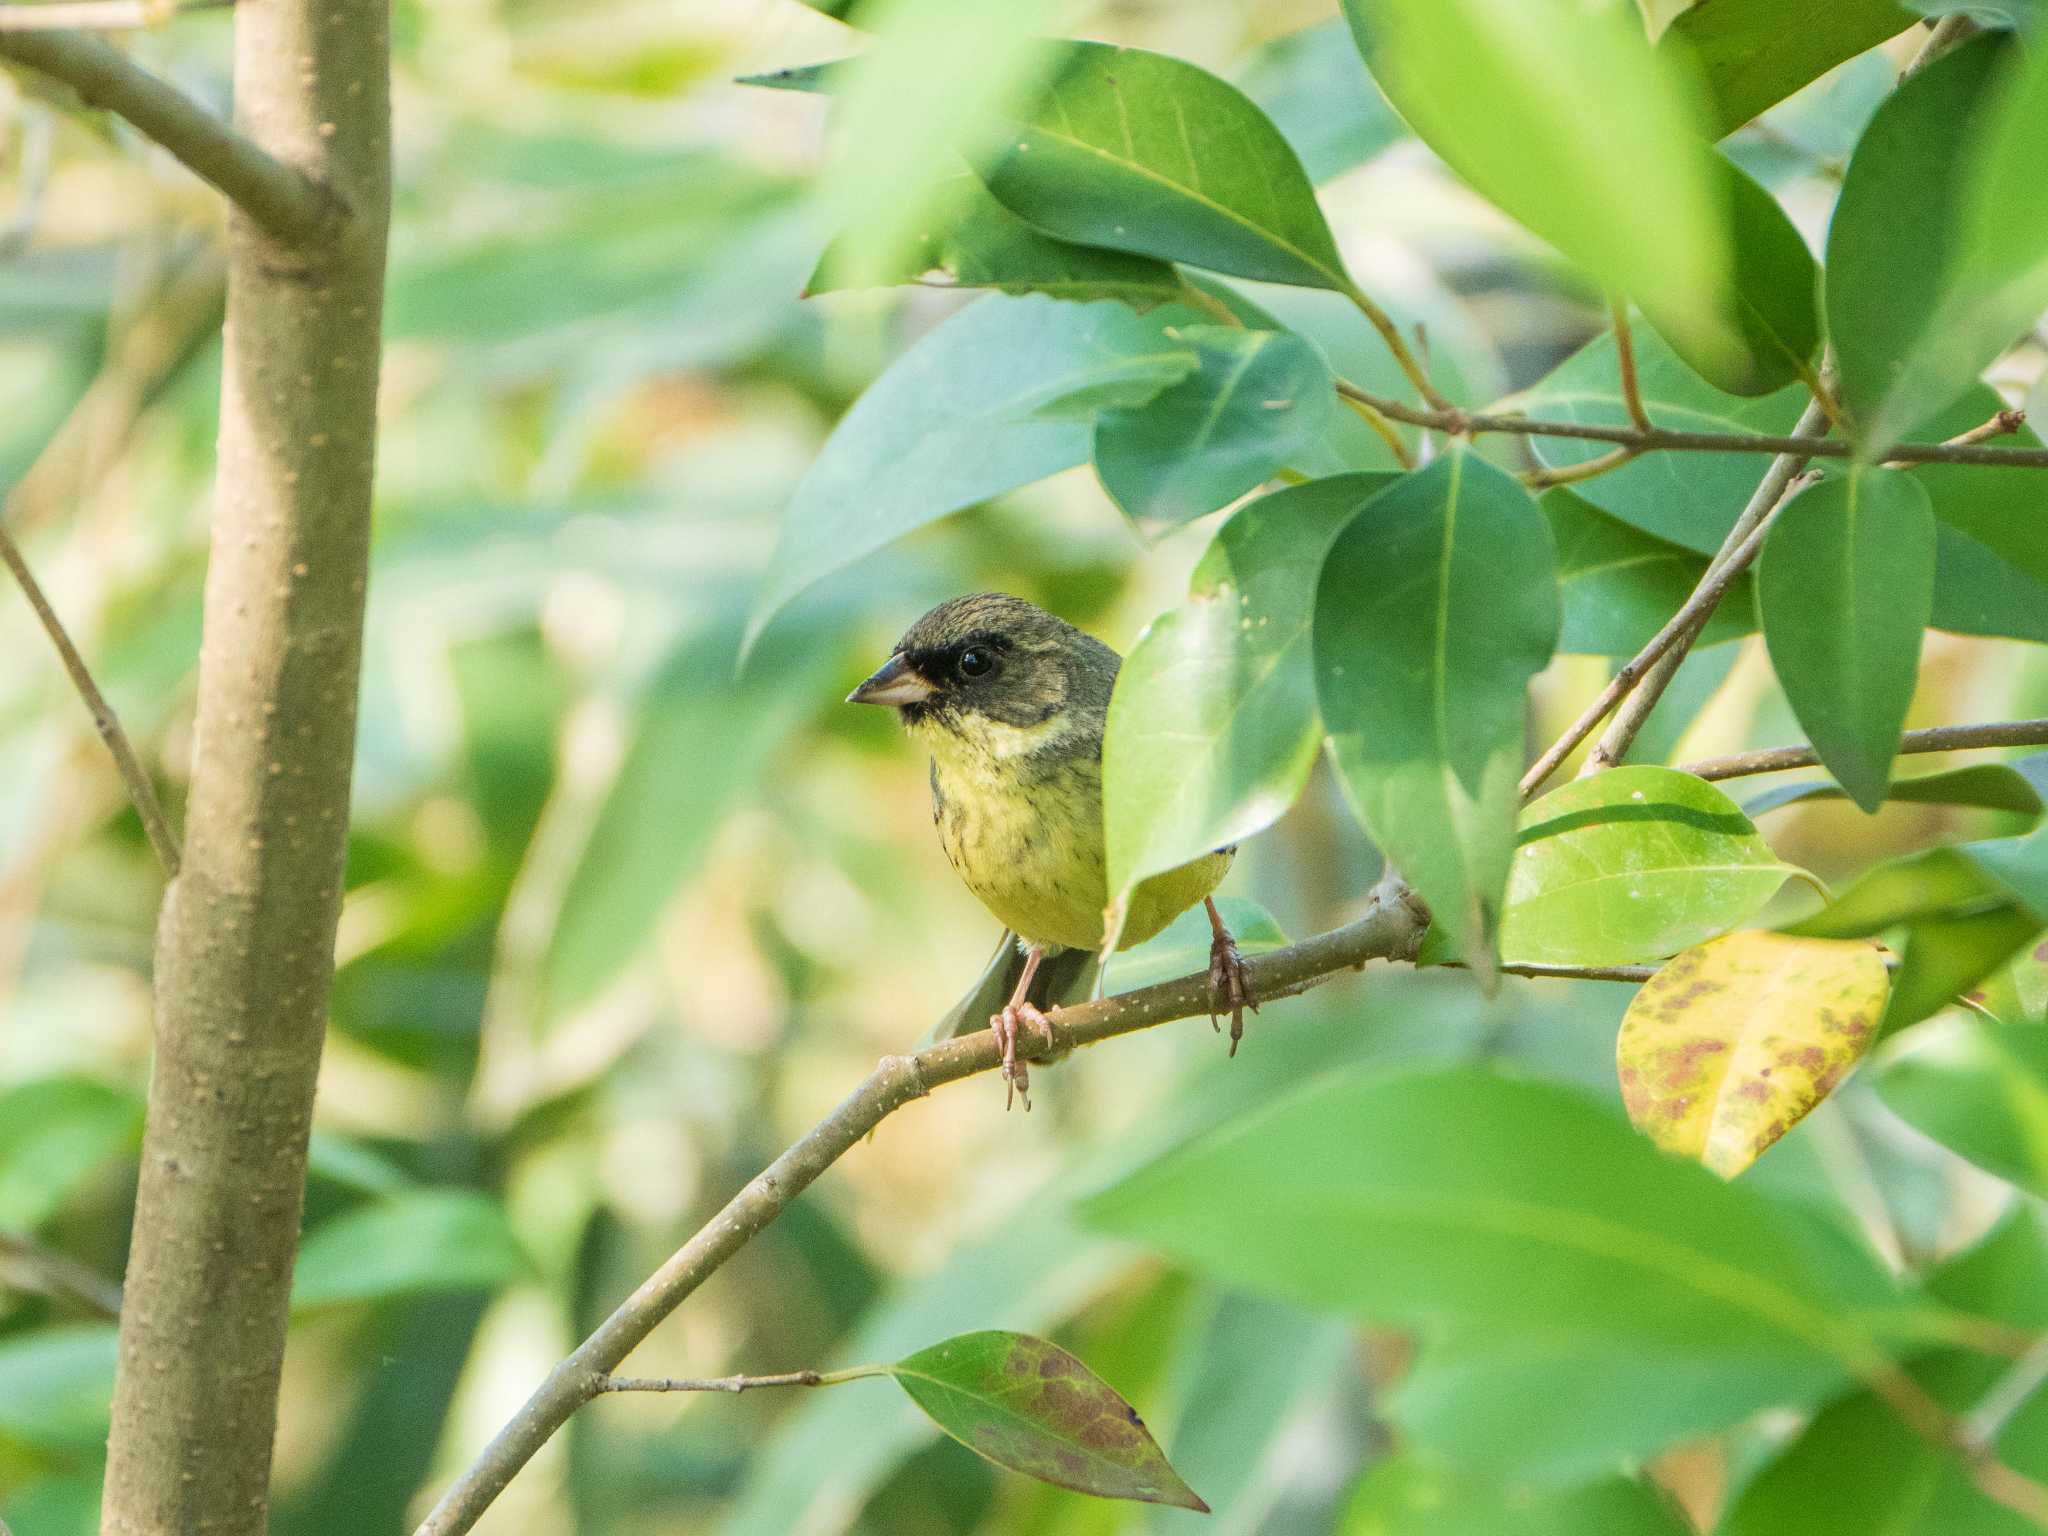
1026	1404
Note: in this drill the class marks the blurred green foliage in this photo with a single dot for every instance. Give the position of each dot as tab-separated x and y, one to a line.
625	914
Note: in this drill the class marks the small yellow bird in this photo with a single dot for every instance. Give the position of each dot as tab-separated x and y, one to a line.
1011	702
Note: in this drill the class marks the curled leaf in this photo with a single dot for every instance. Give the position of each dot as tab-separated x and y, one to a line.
1731	1044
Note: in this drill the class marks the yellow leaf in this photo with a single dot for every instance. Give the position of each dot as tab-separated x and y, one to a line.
1731	1043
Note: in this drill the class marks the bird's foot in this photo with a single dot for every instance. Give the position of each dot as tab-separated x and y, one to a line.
1230	986
1006	1027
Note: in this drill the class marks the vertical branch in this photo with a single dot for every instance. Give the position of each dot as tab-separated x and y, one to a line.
245	942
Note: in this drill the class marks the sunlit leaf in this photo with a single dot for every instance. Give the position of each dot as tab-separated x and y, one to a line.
1028	1405
1619	586
1633	864
1139	152
1845	588
1689	499
953	421
1213	728
424	1240
1732	1043
1751	54
1436	606
1254	400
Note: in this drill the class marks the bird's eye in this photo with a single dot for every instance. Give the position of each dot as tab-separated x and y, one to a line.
975	661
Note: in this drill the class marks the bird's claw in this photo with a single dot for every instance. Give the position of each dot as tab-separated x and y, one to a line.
1230	988
1006	1027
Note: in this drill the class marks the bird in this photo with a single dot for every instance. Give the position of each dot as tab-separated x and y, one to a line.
1011	702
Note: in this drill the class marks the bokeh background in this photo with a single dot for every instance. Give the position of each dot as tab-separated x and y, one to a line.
620	923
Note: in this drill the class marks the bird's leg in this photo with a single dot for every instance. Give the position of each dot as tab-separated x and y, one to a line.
1230	987
1018	1011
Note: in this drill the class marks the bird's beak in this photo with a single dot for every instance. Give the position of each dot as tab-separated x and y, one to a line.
893	683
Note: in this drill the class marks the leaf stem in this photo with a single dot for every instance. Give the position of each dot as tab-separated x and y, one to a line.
1625	356
133	775
1385	430
1391	335
1939	738
1572	474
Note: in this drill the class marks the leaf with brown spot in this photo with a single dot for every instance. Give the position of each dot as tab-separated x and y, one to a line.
1729	1046
1028	1405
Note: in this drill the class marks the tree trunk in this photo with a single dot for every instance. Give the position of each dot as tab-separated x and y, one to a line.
245	942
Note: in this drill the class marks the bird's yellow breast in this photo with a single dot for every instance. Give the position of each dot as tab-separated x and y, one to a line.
1019	812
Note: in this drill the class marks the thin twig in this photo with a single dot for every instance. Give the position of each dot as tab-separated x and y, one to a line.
1572	474
732	1383
99	15
59	1274
286	202
1986	1422
1390	929
1664	439
1384	429
133	774
1625	356
1939	738
1999	424
1391	335
1635	973
1739	549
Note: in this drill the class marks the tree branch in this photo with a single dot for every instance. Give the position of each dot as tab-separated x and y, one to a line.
140	790
734	1383
59	1274
285	201
1939	738
1390	929
1663	439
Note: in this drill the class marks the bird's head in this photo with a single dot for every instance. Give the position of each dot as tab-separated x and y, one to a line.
996	672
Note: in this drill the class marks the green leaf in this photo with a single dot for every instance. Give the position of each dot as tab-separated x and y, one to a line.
55	1134
1415	1495
1934	253
1858	1466
1462	1198
1733	1043
2018	866
1311	85
55	1385
1182	946
1991	571
1028	1405
1689	499
1845	588
1255	400
969	240
1981	1090
1986	786
1561	115
426	1240
1619	586
1636	863
668	796
1436	605
1213	727
1752	54
953	421
1945	958
1140	152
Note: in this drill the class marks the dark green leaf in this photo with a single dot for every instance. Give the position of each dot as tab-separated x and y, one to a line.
1436	606
1949	956
1463	1198
1028	1405
952	422
1414	1495
1751	54
1774	295
1311	85
1991	575
1981	1090
1845	588
1140	152
1923	287
1633	864
1938	883
1213	728
55	1386
425	1240
1256	399
1690	499
1987	786
1561	114
1619	586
